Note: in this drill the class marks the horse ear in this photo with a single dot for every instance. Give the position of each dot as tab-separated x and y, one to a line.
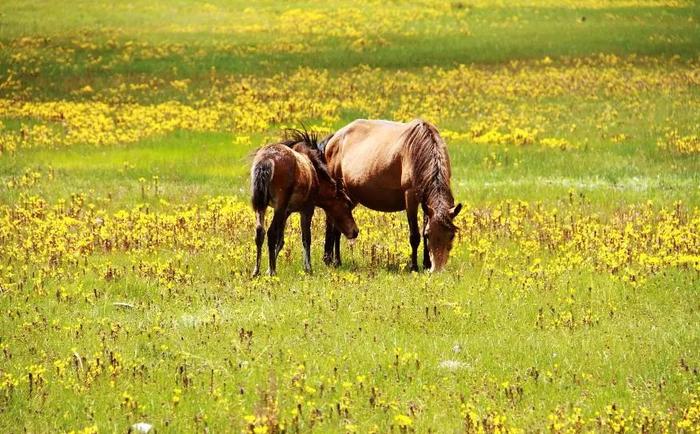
455	210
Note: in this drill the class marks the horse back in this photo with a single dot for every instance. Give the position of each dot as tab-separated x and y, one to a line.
376	149
370	157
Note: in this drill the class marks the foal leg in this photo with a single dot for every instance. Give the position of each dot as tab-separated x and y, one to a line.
329	242
259	238
280	243
426	253
305	219
412	214
274	232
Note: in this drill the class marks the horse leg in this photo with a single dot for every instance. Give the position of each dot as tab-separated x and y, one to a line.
336	245
274	232
329	242
412	214
426	253
305	220
259	238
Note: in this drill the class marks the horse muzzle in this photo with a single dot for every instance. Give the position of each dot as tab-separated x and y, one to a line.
352	237
437	262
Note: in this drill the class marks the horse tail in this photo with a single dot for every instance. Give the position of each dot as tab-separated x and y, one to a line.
429	160
260	178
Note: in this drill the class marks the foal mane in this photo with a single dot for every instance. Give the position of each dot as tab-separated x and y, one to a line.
430	168
309	139
292	136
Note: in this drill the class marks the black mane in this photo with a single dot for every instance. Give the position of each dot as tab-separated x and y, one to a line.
293	136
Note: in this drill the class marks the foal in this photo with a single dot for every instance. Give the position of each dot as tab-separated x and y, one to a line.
291	176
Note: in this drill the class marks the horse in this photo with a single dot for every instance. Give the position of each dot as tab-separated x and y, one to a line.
292	176
394	166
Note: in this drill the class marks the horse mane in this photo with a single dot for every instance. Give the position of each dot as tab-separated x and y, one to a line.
430	168
309	139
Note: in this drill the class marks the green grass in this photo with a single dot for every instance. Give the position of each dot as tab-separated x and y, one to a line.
369	341
191	166
207	40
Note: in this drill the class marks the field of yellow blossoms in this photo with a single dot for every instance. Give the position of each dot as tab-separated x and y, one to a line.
571	302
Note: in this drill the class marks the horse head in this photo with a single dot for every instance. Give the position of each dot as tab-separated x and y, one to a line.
440	232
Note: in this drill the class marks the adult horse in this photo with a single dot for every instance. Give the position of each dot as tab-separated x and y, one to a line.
291	176
394	166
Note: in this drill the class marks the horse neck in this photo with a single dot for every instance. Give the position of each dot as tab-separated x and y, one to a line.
431	165
434	177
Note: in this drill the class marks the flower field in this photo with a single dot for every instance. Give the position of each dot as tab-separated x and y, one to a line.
571	302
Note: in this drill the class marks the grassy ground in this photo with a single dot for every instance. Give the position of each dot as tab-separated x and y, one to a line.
570	302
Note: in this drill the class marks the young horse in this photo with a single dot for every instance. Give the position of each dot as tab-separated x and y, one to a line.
392	166
292	176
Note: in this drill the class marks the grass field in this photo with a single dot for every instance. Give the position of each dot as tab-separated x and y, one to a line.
571	302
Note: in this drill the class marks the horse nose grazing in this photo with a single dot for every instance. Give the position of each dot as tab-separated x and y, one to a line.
355	233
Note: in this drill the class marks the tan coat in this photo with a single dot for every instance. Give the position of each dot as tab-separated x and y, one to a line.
395	166
371	157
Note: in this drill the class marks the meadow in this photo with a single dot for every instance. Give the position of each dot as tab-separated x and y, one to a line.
571	302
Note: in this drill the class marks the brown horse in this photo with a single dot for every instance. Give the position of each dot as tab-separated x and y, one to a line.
393	166
291	176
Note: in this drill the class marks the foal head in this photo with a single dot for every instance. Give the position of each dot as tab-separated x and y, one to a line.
335	201
440	232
